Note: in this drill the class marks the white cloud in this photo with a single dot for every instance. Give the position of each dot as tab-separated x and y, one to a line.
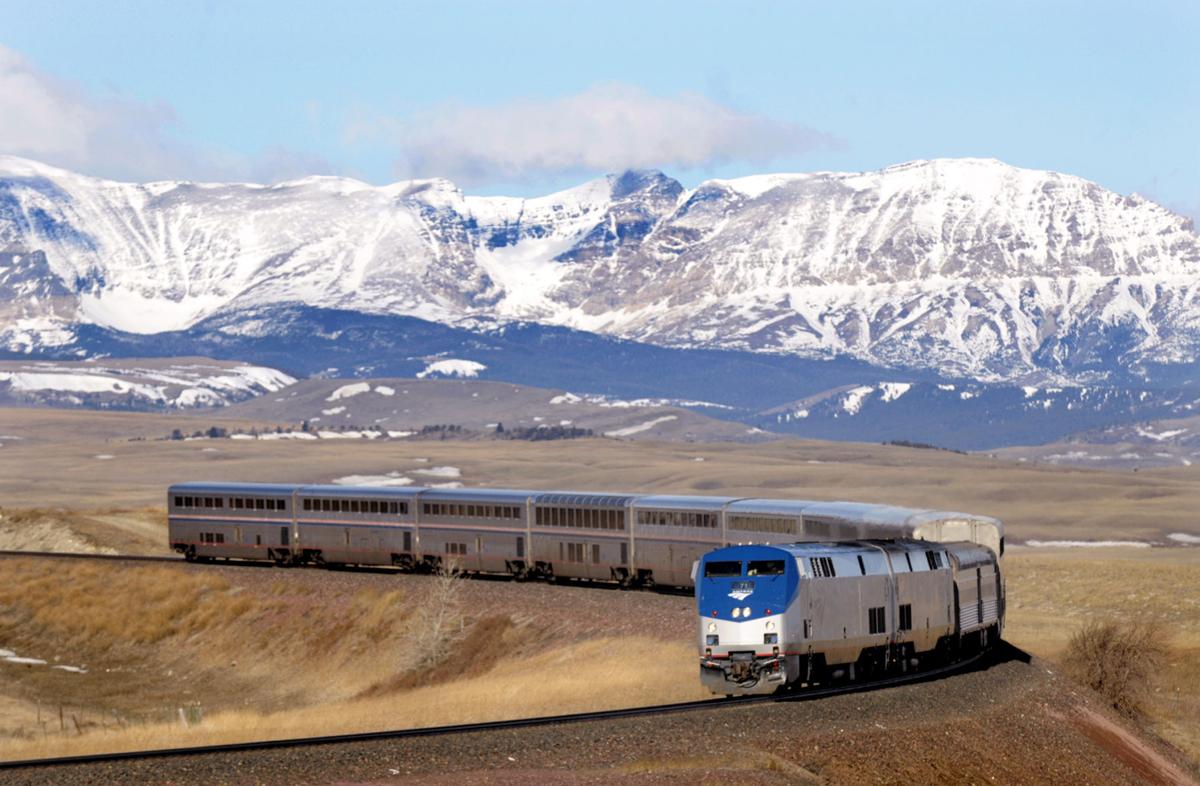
59	122
603	129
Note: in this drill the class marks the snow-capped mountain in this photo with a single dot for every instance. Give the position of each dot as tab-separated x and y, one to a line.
969	267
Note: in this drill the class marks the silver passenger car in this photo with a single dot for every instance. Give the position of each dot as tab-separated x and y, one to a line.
628	538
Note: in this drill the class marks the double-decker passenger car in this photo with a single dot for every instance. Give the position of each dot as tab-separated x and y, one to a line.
628	538
804	613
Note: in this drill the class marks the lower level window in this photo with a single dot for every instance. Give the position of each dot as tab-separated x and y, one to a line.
876	620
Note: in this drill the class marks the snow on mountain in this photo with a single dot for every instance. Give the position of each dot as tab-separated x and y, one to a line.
968	266
147	384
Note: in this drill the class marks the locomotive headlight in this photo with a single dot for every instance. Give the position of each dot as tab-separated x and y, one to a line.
770	624
746	612
712	627
737	613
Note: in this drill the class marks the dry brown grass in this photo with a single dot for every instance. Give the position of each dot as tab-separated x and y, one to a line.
1120	660
1052	594
596	674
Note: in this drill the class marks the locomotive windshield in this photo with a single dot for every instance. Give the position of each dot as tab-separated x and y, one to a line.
718	569
765	567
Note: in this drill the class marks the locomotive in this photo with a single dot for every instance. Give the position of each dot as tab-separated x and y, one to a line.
800	614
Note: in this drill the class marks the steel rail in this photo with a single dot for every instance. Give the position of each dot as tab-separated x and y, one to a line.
807	694
87	555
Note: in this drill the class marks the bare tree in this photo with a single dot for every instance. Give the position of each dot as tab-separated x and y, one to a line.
439	623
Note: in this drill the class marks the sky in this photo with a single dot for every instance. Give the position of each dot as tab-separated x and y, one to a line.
527	97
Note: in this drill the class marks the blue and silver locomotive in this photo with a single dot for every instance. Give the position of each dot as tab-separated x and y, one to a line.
773	616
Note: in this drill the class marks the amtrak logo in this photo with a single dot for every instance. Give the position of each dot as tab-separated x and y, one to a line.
741	594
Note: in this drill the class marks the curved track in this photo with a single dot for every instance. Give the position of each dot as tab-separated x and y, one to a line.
83	555
580	717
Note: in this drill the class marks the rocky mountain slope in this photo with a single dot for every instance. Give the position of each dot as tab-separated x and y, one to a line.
969	267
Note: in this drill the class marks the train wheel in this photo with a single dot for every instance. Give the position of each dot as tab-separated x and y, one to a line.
190	554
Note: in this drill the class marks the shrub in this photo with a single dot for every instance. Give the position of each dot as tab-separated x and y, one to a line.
439	621
1119	660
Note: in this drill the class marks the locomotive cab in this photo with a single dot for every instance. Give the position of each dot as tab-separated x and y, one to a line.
742	593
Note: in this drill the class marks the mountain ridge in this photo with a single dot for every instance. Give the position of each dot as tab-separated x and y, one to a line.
968	267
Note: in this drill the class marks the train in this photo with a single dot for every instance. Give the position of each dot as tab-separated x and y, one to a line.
631	539
794	615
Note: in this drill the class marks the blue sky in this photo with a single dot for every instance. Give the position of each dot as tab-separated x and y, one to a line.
524	97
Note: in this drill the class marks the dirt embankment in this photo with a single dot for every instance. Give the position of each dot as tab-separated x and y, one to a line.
1013	722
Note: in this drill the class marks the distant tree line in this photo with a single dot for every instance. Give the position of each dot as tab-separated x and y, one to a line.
542	433
904	443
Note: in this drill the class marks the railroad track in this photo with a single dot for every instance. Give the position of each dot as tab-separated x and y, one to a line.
519	723
83	555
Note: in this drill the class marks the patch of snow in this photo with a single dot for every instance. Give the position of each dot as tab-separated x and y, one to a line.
25	661
104	456
566	398
853	401
966	395
945	387
699	458
288	435
347	391
1183	537
198	397
384	390
440	472
1161	435
333	411
452	368
78	383
373	480
72	669
1030	391
894	390
400	434
640	427
241	436
348	434
454	484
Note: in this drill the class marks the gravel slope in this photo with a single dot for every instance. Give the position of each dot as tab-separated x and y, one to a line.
1008	722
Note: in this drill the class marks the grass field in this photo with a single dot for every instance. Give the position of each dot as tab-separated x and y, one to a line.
87	462
183	651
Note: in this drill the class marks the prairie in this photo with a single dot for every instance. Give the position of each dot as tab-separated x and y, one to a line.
177	655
